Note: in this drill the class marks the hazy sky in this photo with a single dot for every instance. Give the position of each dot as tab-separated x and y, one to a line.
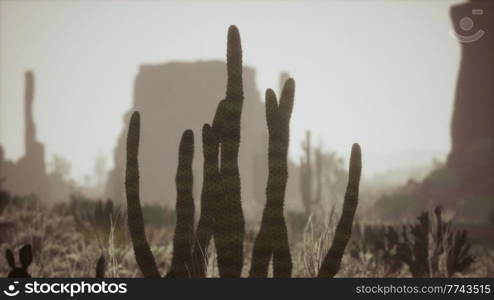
381	73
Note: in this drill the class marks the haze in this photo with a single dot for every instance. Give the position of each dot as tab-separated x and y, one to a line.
380	73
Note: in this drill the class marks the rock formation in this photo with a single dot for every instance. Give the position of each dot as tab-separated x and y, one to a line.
28	175
175	96
472	128
465	183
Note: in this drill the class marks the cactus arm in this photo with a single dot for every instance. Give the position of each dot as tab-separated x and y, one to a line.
142	252
26	256
234	87
9	256
229	227
184	230
286	107
210	192
263	244
332	261
282	260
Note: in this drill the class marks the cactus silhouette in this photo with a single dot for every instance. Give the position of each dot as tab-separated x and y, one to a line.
379	242
272	240
422	253
221	209
221	186
184	229
25	258
181	265
459	256
211	191
142	252
101	267
332	261
229	228
414	249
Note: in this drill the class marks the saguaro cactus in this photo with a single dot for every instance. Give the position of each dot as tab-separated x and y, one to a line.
184	229
211	191
272	240
142	252
229	228
182	246
221	209
332	261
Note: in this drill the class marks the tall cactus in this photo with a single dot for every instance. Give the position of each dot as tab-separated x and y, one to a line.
142	252
332	261
229	228
210	193
184	229
272	240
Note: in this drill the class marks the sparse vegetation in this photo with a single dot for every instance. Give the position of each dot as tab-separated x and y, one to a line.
60	251
90	237
376	248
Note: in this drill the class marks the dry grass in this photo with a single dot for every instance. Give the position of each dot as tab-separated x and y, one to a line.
60	250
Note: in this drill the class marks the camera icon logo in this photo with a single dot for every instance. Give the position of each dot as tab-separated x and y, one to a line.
466	24
11	290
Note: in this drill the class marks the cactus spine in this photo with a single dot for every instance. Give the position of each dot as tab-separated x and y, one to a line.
332	261
272	240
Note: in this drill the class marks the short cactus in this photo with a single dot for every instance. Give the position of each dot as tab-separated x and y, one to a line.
25	258
422	254
101	267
